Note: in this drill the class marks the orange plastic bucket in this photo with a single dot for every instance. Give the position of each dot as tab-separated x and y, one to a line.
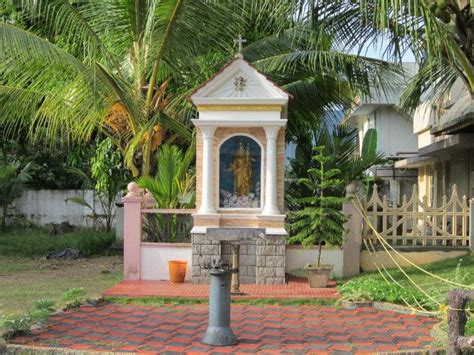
177	270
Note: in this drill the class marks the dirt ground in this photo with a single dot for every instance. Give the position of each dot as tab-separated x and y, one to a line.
25	280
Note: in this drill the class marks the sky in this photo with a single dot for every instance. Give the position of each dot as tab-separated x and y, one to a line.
376	52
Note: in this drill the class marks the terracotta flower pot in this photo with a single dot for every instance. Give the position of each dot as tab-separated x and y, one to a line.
318	276
177	270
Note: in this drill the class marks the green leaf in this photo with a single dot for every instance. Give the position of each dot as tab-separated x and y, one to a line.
80	201
369	145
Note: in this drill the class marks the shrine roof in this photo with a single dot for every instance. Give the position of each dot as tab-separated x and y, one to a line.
239	83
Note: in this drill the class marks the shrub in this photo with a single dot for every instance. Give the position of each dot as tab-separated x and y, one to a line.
39	315
44	304
17	325
74	297
42	309
21	324
36	242
94	243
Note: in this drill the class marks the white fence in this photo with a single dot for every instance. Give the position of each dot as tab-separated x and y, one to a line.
418	223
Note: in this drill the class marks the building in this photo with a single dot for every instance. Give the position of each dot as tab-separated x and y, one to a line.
396	139
445	137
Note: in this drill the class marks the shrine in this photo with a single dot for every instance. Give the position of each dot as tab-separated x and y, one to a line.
240	167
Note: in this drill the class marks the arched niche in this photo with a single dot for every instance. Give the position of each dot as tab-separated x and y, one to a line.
240	173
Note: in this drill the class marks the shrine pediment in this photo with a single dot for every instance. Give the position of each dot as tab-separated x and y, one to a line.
239	83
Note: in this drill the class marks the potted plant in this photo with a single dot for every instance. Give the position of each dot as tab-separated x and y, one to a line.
320	219
357	299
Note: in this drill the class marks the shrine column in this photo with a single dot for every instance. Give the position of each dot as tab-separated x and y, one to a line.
271	207
207	200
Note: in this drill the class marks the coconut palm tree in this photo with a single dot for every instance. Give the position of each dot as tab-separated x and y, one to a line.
439	33
103	65
321	78
125	67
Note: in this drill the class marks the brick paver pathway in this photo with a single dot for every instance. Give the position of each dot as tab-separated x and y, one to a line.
296	288
296	329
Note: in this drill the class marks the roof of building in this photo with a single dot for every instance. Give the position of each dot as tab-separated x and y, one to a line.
459	116
366	104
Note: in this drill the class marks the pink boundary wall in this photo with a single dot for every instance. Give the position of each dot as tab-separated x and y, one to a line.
132	229
146	261
134	201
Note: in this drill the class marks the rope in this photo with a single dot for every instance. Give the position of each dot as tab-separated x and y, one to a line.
385	243
442	307
372	253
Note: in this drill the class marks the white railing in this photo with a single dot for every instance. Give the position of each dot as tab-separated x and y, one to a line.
418	223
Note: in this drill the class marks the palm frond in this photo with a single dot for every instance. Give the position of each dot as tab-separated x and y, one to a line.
399	26
73	25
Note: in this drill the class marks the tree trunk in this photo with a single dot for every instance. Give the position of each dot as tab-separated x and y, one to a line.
319	254
108	224
146	156
4	217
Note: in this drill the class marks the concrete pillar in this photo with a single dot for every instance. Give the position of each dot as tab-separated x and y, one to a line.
271	206
207	200
132	229
353	241
457	318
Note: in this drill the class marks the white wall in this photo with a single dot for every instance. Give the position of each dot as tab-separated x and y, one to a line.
52	206
394	131
424	117
154	259
298	257
425	138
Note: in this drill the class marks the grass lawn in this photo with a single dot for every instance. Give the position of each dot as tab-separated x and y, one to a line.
373	286
460	270
26	276
163	301
25	280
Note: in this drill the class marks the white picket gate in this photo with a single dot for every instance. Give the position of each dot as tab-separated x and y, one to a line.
418	223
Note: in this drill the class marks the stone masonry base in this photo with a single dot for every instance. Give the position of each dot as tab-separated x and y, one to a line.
262	261
270	257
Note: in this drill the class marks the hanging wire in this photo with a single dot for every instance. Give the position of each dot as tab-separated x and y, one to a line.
386	246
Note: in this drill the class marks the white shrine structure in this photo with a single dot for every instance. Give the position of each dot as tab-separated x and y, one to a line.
240	167
240	172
